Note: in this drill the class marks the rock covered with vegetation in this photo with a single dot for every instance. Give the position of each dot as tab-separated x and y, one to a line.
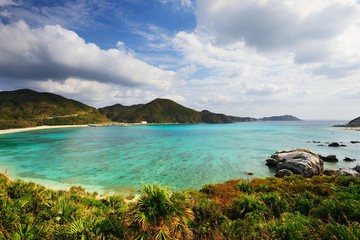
294	207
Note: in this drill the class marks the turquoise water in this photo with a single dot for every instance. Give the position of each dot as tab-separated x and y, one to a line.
110	159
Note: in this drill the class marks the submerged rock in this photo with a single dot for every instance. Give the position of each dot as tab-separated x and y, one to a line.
347	159
329	158
334	144
297	161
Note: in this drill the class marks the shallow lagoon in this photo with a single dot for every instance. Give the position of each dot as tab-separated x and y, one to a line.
119	159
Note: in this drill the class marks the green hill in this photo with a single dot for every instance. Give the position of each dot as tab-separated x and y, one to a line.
28	108
353	123
165	111
156	111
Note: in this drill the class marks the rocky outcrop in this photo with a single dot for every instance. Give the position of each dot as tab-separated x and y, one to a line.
353	172
297	161
335	144
329	158
283	173
347	159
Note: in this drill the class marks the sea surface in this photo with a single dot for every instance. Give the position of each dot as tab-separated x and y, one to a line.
122	159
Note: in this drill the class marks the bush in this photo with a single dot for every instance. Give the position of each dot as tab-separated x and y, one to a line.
248	204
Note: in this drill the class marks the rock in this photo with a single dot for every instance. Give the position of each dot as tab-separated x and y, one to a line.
357	167
348	172
250	173
347	159
298	161
315	141
329	158
334	144
283	172
354	142
272	161
321	145
329	172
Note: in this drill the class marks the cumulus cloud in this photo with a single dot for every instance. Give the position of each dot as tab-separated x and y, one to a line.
215	98
52	52
272	25
267	89
95	93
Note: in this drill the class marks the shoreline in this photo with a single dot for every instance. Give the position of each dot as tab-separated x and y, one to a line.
16	130
124	191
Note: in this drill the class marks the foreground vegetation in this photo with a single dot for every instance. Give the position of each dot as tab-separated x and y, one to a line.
289	208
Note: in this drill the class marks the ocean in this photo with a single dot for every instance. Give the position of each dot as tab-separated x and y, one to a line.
121	159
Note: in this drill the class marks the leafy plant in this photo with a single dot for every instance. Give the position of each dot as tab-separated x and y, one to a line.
159	214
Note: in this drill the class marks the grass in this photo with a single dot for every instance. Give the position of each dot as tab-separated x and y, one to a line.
324	207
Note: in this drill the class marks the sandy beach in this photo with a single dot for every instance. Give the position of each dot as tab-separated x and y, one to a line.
15	130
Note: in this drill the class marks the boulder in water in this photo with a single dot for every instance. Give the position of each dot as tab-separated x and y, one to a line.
297	161
329	158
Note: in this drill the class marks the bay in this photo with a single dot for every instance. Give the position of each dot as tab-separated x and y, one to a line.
121	159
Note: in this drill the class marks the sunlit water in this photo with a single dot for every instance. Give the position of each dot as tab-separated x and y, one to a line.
117	159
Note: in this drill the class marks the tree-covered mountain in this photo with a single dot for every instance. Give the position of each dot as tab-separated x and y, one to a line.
353	123
281	118
28	108
165	111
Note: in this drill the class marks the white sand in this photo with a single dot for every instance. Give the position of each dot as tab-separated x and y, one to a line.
15	130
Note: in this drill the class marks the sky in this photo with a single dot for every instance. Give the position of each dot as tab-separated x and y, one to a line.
239	57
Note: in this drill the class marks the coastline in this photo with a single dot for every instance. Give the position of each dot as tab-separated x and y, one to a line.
349	128
124	191
15	130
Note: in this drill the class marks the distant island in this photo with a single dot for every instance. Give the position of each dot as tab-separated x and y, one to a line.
280	118
353	123
28	108
166	111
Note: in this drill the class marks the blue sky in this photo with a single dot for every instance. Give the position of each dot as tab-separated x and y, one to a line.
240	57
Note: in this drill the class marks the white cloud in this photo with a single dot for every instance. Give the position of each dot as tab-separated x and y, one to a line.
177	4
174	97
268	89
215	98
52	52
95	93
5	3
304	27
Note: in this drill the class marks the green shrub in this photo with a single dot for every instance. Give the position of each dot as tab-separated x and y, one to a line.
208	220
291	226
342	211
247	204
306	201
244	186
336	230
274	202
